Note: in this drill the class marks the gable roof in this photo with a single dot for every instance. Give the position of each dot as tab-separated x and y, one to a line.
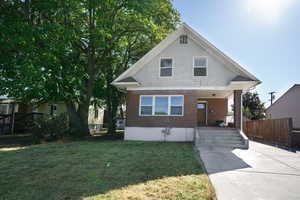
290	89
171	38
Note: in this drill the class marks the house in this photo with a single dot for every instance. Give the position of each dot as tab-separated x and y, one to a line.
287	106
24	111
182	83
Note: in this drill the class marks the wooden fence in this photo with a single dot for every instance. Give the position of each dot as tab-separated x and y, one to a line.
274	131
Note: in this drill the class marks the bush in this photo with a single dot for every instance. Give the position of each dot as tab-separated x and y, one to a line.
50	128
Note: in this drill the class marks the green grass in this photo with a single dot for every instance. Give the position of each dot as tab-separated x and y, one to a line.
102	170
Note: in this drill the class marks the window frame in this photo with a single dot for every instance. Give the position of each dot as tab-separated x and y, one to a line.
140	105
206	58
182	38
96	113
5	107
169	105
159	65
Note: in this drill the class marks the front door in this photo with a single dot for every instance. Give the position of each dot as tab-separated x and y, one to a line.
201	114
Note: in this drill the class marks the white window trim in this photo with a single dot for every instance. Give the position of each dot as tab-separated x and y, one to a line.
159	65
169	105
140	105
194	57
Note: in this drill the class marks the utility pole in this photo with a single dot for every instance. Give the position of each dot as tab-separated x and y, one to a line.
272	96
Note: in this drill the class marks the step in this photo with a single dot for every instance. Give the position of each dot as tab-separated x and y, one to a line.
220	136
217	135
217	131
241	146
221	141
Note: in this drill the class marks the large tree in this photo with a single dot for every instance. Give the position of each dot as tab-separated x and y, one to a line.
65	50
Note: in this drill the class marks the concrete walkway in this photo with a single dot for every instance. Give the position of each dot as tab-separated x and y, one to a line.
262	172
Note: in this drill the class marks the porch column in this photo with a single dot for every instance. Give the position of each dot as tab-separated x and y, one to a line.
237	108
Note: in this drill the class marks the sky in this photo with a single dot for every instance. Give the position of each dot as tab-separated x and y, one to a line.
261	35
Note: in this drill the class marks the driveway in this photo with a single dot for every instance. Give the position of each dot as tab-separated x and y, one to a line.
262	172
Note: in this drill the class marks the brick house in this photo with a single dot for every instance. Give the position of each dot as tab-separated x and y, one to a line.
182	83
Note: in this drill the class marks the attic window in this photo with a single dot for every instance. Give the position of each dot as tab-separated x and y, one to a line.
183	39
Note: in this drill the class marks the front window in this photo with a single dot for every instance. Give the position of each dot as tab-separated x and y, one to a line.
146	105
200	66
176	105
161	105
166	65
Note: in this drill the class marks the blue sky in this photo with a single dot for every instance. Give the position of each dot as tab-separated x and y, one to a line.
262	35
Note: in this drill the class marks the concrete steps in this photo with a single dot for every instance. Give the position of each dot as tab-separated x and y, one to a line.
230	138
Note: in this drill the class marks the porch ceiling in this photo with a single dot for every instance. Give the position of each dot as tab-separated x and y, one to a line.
214	93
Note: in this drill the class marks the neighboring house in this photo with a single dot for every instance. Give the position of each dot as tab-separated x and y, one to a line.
95	118
182	83
5	107
287	106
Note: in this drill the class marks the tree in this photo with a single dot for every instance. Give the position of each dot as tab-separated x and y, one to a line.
253	108
61	50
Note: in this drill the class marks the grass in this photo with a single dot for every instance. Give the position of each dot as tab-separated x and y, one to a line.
94	170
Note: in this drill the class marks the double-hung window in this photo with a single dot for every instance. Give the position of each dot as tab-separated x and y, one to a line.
166	67
146	103
200	66
176	107
161	105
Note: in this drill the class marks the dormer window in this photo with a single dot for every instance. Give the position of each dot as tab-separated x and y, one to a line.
183	39
200	66
166	67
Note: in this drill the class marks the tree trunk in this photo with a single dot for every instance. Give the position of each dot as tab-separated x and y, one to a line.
78	120
112	103
121	112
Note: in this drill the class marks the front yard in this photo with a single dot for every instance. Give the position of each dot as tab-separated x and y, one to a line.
102	170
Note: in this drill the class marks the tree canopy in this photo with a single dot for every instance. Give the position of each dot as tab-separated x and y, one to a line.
72	50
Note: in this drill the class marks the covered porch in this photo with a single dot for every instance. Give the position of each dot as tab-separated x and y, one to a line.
214	107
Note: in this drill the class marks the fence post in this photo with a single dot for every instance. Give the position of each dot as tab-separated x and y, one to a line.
290	132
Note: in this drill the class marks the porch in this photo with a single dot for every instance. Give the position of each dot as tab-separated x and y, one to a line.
214	106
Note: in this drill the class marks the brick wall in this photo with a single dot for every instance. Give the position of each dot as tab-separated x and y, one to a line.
217	110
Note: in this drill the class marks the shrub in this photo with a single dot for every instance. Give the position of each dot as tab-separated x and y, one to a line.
50	128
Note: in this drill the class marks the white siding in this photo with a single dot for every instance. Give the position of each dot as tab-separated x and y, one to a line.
287	106
182	54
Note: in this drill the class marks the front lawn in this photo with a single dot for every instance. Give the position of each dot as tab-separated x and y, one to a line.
94	170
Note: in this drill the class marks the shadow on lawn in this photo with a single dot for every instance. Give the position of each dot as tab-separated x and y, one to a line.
88	168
